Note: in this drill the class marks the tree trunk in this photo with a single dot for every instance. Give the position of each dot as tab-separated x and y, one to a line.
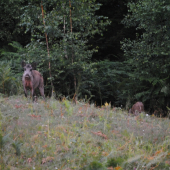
49	64
75	84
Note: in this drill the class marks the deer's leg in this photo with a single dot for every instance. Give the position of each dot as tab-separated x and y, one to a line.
32	93
25	92
42	92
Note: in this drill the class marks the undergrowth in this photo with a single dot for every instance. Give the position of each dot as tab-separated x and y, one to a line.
64	136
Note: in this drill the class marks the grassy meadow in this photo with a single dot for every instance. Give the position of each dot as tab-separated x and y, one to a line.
61	135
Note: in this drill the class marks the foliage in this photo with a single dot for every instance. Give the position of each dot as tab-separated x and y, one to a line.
14	57
95	166
1	141
81	36
74	34
108	43
148	54
4	141
114	162
70	51
107	77
99	82
69	25
17	145
9	13
8	83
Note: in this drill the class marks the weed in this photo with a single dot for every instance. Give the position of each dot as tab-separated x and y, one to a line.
69	108
53	134
114	162
95	166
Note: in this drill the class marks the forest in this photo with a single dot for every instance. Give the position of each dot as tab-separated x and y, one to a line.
100	51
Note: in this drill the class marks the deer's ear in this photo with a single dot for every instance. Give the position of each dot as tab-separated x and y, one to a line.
34	65
23	64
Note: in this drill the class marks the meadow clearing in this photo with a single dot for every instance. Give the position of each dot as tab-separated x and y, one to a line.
64	136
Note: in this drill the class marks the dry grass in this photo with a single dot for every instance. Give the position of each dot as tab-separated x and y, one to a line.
64	136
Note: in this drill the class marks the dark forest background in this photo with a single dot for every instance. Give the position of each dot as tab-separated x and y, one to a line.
99	51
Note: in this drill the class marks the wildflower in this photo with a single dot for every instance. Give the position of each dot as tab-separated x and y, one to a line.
106	104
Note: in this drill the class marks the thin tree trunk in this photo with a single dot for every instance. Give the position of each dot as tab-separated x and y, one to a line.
49	64
70	16
64	38
71	30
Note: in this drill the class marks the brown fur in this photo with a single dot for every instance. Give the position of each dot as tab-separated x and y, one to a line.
137	108
32	79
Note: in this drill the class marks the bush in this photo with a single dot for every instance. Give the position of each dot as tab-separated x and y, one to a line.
8	83
95	166
113	162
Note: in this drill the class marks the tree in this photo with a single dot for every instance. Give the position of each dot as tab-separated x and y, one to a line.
108	43
10	12
148	55
68	26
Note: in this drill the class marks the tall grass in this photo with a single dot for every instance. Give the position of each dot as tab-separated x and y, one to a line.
64	136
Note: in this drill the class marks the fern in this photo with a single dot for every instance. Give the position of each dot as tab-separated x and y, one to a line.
7	79
17	145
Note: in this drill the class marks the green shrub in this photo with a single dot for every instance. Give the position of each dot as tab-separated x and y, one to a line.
115	162
8	83
95	165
